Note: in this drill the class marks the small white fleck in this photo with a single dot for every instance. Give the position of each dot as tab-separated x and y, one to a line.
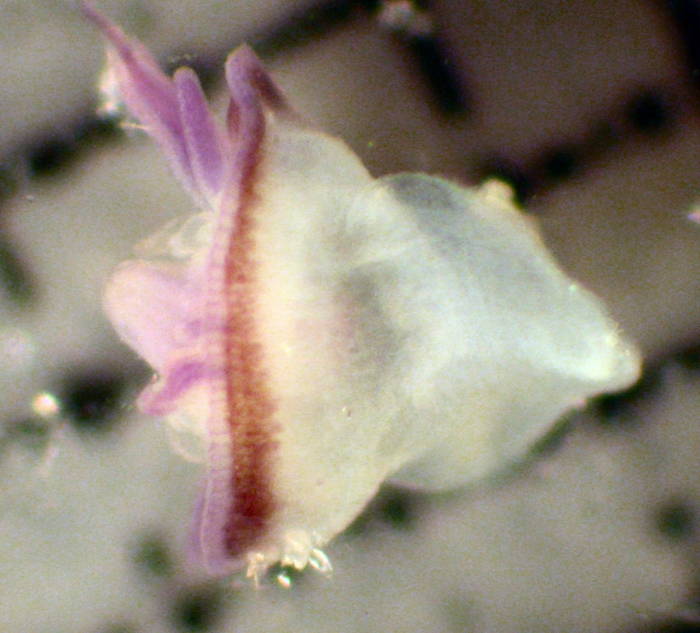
319	561
284	579
46	405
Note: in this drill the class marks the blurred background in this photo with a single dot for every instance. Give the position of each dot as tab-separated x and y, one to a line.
588	108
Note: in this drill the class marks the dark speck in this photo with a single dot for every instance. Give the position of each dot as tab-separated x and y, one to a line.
675	520
393	507
51	155
648	112
97	130
92	399
198	609
689	357
152	556
439	74
561	163
397	508
48	157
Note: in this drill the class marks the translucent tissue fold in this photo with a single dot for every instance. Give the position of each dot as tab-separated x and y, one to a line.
316	332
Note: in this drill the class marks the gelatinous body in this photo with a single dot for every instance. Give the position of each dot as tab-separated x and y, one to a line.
316	331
